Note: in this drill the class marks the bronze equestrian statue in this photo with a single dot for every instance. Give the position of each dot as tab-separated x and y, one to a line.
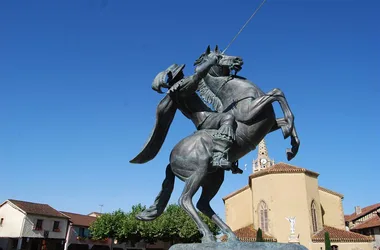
197	159
182	91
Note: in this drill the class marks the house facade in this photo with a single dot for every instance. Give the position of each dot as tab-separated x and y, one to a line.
288	205
78	235
365	221
31	226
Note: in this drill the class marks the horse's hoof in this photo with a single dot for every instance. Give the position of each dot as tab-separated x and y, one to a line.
208	239
232	238
289	155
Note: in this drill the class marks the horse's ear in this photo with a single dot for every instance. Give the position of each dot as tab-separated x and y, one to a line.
216	49
208	50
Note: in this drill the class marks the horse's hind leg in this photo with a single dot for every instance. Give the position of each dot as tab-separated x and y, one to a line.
192	185
210	187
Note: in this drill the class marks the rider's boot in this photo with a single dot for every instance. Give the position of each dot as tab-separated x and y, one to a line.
219	159
223	141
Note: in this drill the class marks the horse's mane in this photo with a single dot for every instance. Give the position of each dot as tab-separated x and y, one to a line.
205	92
209	97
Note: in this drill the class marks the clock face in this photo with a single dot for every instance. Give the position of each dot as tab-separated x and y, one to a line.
263	161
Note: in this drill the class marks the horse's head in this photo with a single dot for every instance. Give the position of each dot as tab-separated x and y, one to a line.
225	64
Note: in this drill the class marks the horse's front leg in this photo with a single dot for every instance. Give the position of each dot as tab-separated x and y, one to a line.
295	142
286	128
251	108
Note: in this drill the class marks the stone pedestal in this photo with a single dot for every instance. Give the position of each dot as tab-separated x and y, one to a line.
238	246
294	239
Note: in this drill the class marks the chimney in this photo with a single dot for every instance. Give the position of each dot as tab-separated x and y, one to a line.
358	210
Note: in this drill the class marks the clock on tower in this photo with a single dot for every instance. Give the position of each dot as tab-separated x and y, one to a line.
263	161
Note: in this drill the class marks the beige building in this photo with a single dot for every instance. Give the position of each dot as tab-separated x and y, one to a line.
287	203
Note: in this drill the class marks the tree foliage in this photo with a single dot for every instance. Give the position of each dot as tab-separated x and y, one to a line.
259	235
107	225
174	225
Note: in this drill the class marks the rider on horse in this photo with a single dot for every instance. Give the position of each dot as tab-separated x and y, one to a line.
183	92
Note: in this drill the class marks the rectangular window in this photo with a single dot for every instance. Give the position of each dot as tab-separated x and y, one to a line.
81	232
38	225
56	226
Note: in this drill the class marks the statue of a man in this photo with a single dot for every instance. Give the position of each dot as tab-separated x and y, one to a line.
182	90
292	221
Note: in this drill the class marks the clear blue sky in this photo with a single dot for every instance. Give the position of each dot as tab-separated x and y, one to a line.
76	102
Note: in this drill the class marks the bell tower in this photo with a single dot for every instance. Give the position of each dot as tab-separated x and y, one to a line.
263	161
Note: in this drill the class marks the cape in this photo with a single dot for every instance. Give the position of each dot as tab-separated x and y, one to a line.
165	113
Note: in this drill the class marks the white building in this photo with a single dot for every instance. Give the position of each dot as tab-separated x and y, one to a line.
31	226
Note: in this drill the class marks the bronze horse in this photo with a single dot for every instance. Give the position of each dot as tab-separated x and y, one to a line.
190	158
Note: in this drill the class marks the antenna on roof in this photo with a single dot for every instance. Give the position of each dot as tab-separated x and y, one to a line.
101	207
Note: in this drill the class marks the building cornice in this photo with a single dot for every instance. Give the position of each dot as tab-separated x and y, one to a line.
283	168
235	193
331	192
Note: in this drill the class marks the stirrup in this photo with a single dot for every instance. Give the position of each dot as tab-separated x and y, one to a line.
220	161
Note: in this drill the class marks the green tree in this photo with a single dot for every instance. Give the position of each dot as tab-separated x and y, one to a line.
107	225
259	235
174	225
327	241
133	229
121	226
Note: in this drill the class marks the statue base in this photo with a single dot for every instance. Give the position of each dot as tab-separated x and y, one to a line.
294	239
236	245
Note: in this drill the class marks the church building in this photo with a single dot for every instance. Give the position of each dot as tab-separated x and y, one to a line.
289	206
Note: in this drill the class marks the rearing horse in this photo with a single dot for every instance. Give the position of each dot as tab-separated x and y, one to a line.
248	103
190	159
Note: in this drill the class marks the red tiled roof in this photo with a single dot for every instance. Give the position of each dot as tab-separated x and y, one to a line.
37	208
80	219
340	235
248	234
365	210
282	167
373	222
330	191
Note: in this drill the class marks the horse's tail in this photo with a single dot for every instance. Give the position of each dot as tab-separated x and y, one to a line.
162	198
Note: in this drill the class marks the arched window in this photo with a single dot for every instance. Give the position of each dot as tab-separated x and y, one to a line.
314	216
263	216
334	247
